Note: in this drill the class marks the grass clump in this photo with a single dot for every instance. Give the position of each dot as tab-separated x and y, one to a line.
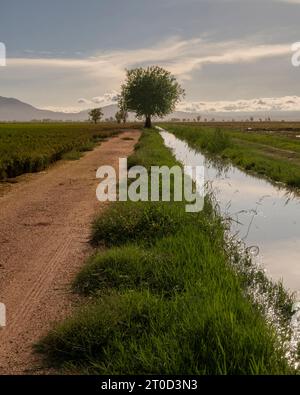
140	221
138	332
218	141
128	267
72	155
163	266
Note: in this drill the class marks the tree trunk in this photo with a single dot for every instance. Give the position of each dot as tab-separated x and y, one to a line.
148	123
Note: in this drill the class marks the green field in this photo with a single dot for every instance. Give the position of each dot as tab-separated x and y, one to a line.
271	150
161	297
31	147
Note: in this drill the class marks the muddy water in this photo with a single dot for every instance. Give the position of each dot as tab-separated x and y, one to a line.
265	216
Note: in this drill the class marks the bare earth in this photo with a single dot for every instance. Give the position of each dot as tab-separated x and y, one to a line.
44	231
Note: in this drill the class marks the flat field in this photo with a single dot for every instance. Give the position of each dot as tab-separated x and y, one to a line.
268	149
31	147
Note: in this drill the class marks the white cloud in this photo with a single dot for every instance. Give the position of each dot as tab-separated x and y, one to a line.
289	1
65	109
83	101
107	98
181	57
99	76
285	103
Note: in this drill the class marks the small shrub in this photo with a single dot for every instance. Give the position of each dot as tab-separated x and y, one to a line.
129	222
129	267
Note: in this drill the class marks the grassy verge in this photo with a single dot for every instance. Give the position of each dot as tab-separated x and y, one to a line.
276	157
163	296
31	147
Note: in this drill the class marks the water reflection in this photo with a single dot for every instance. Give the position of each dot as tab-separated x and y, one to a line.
263	214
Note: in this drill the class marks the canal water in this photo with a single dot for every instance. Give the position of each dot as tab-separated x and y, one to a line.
265	216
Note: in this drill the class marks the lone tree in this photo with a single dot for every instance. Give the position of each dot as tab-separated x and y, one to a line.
150	92
96	114
121	116
118	117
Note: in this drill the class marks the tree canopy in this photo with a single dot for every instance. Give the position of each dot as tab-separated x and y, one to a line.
96	114
152	91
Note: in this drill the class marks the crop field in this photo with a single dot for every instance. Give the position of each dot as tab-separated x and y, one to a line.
290	129
31	147
271	149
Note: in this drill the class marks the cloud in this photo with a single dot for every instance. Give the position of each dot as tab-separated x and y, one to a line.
107	98
101	74
267	105
285	103
83	101
65	109
180	56
289	1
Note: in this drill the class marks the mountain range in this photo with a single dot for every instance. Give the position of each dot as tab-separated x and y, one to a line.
15	110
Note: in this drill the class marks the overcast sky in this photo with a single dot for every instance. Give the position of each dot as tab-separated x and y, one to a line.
228	54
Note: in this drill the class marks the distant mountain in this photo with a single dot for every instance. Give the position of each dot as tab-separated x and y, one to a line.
16	110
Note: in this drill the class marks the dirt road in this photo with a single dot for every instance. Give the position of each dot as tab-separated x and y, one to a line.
44	232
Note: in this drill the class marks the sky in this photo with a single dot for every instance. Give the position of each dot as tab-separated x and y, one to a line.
229	55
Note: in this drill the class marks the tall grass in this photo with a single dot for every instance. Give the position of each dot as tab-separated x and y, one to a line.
164	297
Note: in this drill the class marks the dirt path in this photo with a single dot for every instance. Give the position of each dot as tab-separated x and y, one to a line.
44	231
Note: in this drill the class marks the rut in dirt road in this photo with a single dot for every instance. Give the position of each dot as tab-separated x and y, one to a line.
44	232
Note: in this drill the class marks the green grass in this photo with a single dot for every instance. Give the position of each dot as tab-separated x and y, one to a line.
31	147
163	297
276	157
130	221
72	155
131	267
